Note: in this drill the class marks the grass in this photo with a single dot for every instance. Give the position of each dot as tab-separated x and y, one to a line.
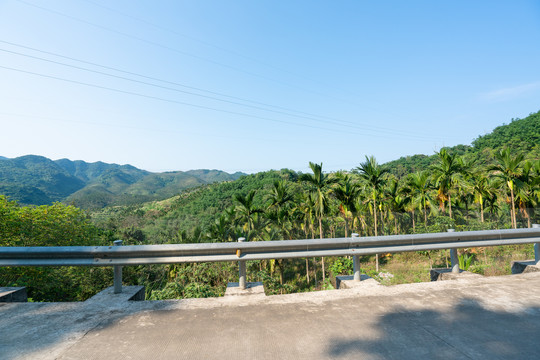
414	267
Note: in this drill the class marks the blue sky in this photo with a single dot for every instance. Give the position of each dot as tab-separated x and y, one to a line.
257	85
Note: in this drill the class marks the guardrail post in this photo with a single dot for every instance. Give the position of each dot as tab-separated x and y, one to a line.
242	270
356	263
454	259
536	247
117	273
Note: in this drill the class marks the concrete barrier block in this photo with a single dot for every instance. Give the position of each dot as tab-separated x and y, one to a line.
441	274
13	294
525	266
129	293
252	288
347	281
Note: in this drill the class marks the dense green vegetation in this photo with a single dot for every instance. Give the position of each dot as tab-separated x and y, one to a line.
36	180
59	225
465	188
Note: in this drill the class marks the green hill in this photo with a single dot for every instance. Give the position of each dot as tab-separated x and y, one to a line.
212	176
521	135
88	172
36	180
195	208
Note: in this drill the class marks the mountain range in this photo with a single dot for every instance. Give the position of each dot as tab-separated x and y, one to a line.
37	180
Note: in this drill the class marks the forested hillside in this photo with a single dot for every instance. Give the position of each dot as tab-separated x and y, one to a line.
522	135
36	180
466	172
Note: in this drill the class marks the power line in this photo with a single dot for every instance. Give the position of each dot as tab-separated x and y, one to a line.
171	89
172	49
167	131
167	81
181	52
312	117
221	48
178	102
163	99
155	79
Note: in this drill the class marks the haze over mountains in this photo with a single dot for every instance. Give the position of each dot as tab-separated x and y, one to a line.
37	180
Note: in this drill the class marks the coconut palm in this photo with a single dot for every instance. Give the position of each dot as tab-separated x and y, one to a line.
481	188
320	187
526	193
394	201
468	171
446	172
373	176
246	212
419	187
279	195
278	208
222	229
346	193
509	169
305	210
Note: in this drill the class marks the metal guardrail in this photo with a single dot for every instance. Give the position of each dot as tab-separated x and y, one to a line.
282	249
243	251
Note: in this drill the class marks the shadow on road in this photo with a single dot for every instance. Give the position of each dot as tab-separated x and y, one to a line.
468	331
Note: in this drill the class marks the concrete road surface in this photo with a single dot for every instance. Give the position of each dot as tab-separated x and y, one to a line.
483	318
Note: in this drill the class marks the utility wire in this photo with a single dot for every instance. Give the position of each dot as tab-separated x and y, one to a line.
174	49
221	48
153	129
183	52
180	102
163	99
167	81
232	52
311	117
187	92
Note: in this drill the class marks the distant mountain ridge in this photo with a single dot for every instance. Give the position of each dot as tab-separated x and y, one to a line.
37	180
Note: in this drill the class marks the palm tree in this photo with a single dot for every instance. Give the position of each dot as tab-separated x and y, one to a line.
491	196
320	187
481	189
320	184
305	209
395	201
527	189
346	193
222	229
468	170
509	169
246	212
419	186
446	175
278	209
373	175
279	195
